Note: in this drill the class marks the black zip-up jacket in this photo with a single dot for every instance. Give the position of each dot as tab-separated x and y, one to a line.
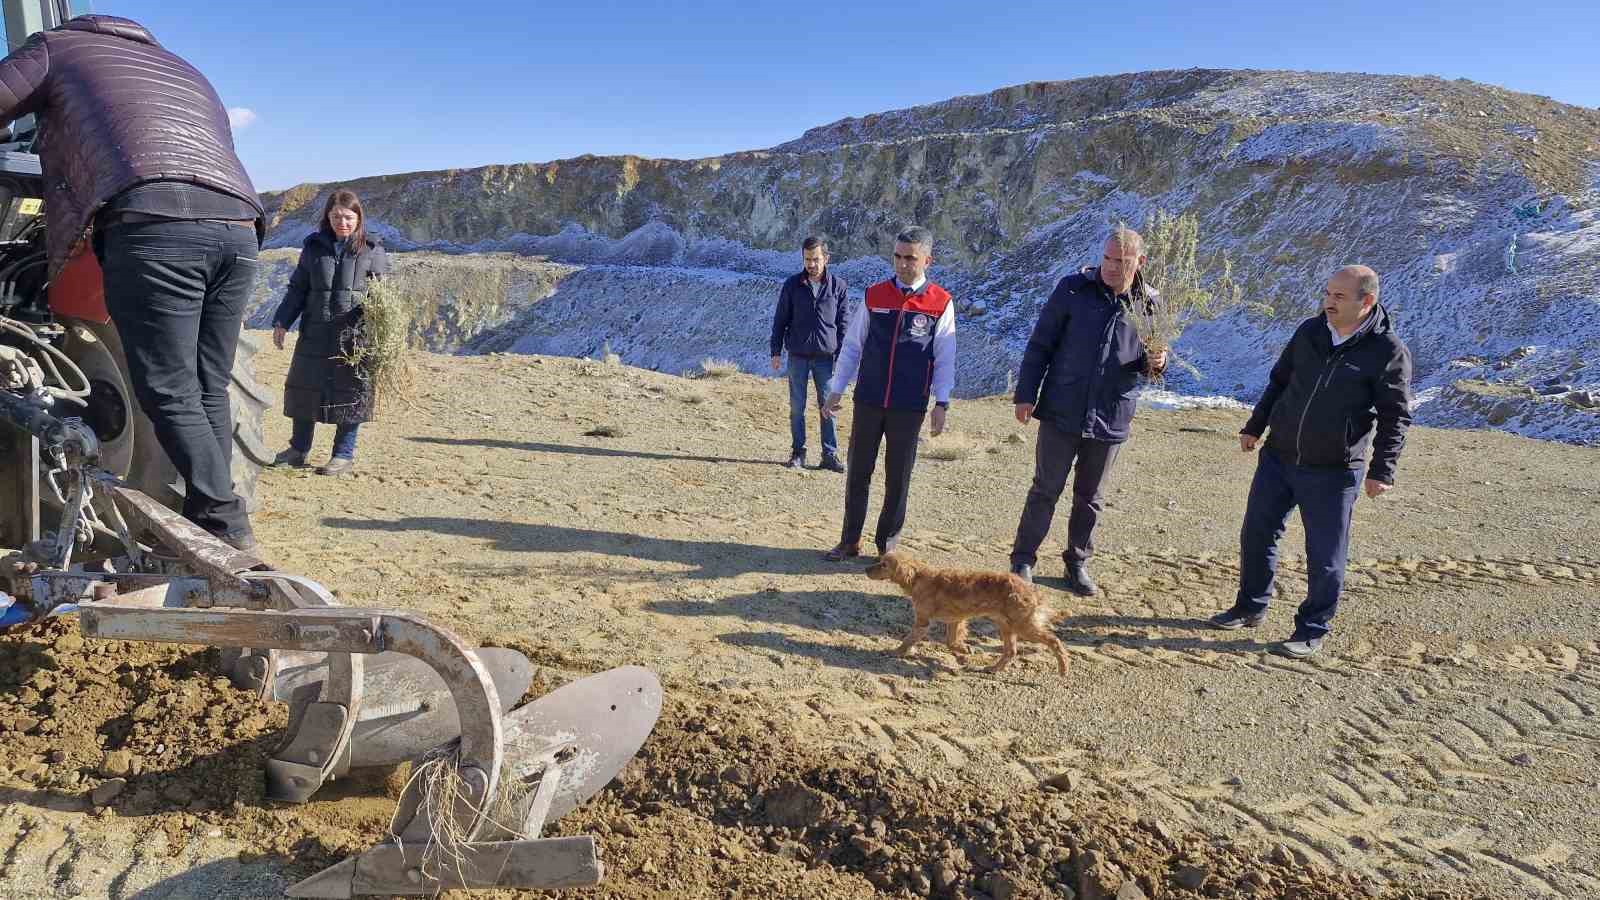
811	325
1325	405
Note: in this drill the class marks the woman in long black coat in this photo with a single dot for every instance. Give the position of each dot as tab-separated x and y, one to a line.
325	294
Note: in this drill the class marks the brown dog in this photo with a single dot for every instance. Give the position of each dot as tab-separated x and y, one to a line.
953	596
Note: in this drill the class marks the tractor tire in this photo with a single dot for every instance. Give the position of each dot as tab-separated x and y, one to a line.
128	446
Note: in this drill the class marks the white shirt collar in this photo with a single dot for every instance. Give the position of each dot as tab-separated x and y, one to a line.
915	287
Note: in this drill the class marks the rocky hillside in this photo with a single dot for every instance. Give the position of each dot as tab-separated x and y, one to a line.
1476	204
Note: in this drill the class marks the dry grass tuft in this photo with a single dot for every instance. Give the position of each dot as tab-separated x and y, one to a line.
437	775
378	345
716	368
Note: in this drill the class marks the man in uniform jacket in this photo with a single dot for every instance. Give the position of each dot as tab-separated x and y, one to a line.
136	152
1341	386
1080	379
902	341
812	317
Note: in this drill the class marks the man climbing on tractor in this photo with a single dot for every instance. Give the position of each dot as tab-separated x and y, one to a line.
138	158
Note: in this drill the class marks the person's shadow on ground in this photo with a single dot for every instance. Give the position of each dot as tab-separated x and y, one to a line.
1094	630
828	611
581	450
703	559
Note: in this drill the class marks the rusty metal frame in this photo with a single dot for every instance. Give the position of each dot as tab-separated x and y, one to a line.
399	869
339	631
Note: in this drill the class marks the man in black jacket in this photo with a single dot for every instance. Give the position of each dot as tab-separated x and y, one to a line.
1087	357
1343	383
811	319
138	153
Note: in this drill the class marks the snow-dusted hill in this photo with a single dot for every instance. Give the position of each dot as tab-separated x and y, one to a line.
1477	205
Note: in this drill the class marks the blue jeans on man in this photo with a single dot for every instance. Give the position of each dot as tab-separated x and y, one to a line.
1326	497
817	370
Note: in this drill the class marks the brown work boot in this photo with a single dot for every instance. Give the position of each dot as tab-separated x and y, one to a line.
339	465
843	551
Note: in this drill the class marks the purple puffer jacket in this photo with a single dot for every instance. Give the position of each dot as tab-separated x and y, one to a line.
115	109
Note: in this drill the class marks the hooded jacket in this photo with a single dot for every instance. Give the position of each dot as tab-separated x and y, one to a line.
325	294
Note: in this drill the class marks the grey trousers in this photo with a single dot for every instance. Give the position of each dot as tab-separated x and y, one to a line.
1054	457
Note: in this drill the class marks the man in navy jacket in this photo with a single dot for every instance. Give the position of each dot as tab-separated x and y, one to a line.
811	319
1086	357
1341	385
903	344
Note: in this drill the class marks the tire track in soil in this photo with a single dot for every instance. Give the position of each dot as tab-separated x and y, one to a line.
1428	733
1360	807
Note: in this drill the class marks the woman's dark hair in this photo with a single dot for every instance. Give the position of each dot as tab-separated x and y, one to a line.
345	199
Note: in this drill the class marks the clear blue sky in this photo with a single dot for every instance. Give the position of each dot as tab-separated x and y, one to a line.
343	88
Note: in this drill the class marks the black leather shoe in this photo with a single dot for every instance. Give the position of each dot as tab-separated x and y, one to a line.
242	541
796	461
1228	620
831	463
1078	580
290	458
1023	571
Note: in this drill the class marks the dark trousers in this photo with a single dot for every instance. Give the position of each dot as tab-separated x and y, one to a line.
1054	457
1326	497
812	371
176	292
870	427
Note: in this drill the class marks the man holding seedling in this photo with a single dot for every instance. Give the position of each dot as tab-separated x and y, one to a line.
1341	385
1080	379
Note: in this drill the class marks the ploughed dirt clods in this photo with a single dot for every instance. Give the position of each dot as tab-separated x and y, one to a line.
719	803
718	761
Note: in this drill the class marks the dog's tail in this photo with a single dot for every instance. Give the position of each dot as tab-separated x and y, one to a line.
1044	616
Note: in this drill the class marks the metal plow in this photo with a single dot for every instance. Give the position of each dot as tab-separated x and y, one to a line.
365	687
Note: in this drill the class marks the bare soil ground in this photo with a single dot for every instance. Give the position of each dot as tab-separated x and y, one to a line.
1445	743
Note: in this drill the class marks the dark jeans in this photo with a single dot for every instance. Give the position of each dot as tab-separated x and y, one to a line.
818	370
177	291
869	427
1326	497
1053	458
344	438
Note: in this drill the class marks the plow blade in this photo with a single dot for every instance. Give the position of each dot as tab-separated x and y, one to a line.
591	727
559	751
407	709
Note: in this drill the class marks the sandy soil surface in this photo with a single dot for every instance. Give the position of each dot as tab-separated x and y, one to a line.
1445	743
